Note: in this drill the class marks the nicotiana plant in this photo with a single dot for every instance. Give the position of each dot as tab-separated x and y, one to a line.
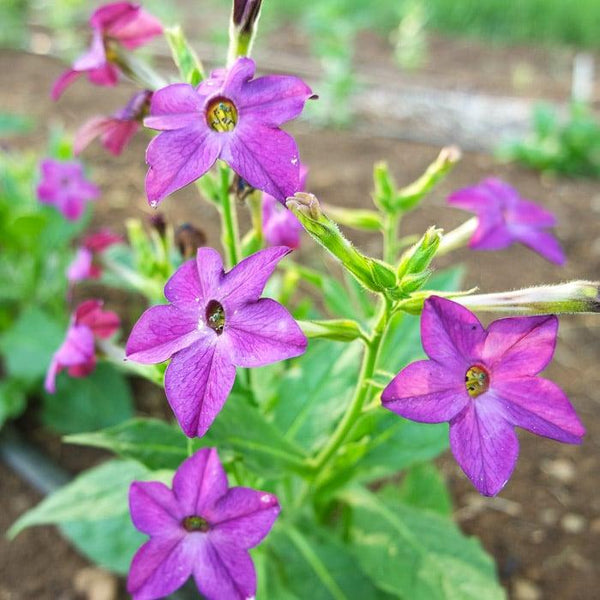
277	373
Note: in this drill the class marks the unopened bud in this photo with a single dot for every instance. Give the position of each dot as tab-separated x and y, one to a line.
188	239
242	30
365	220
419	257
385	187
412	282
157	221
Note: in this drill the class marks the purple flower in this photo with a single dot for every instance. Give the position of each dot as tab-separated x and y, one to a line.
201	528
64	185
83	266
77	353
504	217
215	322
116	131
117	24
280	225
228	116
484	382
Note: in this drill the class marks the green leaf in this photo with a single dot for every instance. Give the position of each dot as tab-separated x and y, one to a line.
311	563
11	124
315	391
190	67
260	445
94	402
97	494
27	347
152	442
12	399
416	554
109	543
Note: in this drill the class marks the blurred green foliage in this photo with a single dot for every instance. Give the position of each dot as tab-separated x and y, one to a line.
557	144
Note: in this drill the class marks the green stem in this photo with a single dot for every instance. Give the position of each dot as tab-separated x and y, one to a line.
190	446
390	237
229	220
361	393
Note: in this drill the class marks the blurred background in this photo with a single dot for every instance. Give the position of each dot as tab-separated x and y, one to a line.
511	82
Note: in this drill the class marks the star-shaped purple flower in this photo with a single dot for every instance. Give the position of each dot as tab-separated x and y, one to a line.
484	382
215	322
116	131
63	184
280	225
116	24
83	266
504	217
201	528
77	353
228	116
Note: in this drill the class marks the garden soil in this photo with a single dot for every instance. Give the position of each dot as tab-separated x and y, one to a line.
544	528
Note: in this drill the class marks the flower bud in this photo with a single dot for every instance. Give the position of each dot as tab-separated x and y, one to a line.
188	239
242	30
365	220
341	330
418	258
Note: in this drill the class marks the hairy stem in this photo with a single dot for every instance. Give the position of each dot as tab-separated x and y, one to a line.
390	238
229	221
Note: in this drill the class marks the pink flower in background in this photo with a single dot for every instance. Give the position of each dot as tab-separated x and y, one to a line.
116	131
200	527
83	265
484	382
77	353
504	218
215	322
116	24
230	116
63	185
280	225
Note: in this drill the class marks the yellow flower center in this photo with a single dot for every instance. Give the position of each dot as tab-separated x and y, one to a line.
221	115
195	523
477	381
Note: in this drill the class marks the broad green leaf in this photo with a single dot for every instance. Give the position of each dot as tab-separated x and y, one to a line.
109	543
97	494
28	345
260	445
418	555
190	67
12	399
311	563
315	391
154	443
99	400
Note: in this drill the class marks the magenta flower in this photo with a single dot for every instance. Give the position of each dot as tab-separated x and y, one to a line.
215	322
116	131
280	225
484	382
504	217
63	184
77	353
229	116
201	528
84	265
116	24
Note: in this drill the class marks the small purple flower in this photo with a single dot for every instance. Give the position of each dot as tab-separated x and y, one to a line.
64	185
201	528
504	217
280	225
116	24
485	383
77	353
83	266
116	131
228	116
215	322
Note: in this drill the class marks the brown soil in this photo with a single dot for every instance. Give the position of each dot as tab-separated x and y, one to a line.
544	530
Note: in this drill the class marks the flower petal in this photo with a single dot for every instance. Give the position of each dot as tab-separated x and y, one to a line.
274	99
540	406
161	566
427	392
525	212
484	445
160	332
199	483
174	107
519	346
90	130
542	242
243	517
63	82
451	334
266	158
179	157
197	383
235	78
262	333
103	323
225	573
491	234
154	509
246	281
